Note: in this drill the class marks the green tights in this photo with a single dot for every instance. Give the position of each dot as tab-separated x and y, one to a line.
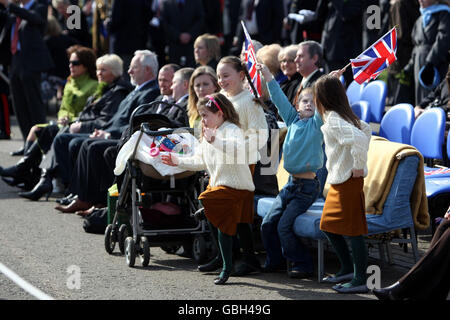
357	265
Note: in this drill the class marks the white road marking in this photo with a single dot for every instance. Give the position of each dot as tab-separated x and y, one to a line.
24	284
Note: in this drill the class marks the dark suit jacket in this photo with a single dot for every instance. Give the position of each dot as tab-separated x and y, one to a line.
129	25
269	18
34	55
190	20
120	121
96	113
341	40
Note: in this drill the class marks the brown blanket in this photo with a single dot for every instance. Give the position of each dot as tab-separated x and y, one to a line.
383	159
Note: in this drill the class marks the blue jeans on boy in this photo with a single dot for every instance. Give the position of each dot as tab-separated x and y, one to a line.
277	230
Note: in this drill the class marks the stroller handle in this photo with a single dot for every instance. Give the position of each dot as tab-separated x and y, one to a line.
146	129
160	103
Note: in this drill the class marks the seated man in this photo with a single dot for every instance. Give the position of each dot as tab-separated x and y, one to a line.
91	163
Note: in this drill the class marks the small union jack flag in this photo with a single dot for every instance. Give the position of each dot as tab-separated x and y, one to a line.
250	61
369	64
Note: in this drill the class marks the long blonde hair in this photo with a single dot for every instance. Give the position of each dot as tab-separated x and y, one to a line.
193	99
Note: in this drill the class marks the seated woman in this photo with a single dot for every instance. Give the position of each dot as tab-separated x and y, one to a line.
203	82
207	50
81	84
100	107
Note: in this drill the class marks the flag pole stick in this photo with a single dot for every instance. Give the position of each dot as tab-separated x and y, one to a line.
249	80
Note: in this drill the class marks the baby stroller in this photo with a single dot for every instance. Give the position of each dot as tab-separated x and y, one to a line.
158	210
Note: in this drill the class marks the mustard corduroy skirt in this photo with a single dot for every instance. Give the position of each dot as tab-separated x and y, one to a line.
344	209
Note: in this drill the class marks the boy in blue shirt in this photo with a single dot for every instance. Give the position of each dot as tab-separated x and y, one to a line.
303	157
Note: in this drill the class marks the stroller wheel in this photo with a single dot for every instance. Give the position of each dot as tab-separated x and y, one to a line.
199	251
145	251
123	234
110	241
130	251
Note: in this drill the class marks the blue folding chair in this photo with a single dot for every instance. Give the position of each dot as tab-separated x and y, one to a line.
354	91
396	125
427	134
375	93
361	109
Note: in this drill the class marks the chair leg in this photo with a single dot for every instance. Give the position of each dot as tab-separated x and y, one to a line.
415	249
320	262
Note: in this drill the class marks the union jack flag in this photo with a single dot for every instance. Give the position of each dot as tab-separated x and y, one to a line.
369	64
250	61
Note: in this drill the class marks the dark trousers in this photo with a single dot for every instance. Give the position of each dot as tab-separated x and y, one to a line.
92	175
66	147
429	278
26	96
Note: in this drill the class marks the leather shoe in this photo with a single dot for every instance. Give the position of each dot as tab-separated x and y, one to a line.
296	272
222	278
340	288
19	152
388	293
213	265
74	206
67	199
84	213
273	269
338	279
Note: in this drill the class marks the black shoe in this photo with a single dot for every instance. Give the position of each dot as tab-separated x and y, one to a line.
222	278
19	152
246	268
388	293
44	187
67	199
296	272
273	269
213	265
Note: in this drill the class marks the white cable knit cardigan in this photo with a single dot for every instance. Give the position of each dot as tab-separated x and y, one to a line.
222	159
345	146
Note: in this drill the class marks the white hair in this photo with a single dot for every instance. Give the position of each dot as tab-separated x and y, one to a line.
114	62
148	59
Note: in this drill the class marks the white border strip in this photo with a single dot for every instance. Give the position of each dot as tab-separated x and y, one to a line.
23	284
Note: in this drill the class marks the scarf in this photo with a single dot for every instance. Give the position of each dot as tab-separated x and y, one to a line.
428	12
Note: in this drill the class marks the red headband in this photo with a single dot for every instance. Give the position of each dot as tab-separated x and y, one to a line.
214	101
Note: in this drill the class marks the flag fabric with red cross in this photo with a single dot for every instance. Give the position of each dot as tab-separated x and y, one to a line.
250	62
369	64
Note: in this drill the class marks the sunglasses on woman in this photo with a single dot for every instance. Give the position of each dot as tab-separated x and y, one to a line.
75	62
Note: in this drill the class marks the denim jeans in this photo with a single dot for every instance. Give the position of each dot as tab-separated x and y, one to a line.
277	230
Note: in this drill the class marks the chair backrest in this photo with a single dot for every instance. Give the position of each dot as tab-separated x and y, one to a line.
397	207
361	109
427	134
354	91
375	93
397	123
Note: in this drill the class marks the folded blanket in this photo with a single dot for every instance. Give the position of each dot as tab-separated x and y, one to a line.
383	159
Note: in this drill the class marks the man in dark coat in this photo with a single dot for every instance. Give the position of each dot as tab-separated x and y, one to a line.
22	42
183	22
269	21
128	27
341	40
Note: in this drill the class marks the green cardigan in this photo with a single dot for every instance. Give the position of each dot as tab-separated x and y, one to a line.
76	92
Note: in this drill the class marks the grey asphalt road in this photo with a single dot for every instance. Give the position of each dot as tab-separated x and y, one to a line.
47	249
